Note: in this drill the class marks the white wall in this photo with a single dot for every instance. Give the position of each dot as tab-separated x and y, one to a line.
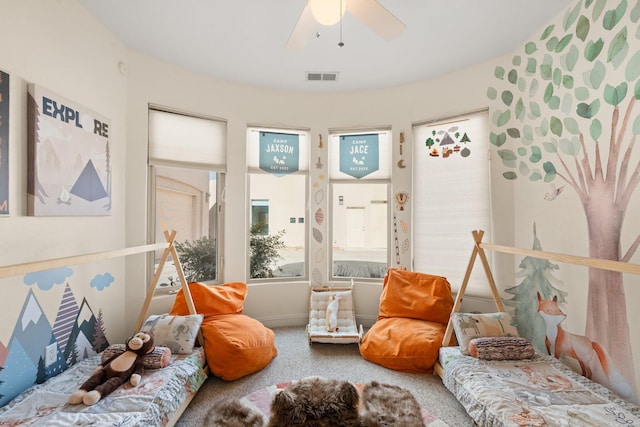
156	82
59	46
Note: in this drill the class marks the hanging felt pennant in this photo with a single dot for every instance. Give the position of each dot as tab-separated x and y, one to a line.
279	153
359	154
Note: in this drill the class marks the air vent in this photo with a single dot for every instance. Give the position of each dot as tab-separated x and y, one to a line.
325	77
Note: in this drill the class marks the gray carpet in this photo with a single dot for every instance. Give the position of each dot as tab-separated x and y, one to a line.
297	359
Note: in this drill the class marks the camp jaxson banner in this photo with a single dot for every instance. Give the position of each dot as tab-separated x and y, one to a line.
359	154
279	153
69	158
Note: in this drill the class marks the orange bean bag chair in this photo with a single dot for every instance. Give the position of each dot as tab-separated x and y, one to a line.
235	345
413	316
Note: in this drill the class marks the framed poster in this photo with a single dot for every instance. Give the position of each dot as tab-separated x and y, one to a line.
69	161
4	143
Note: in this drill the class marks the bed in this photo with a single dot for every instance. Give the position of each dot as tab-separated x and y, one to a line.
533	390
162	395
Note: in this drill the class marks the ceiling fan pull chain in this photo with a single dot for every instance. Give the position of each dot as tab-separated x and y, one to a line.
340	44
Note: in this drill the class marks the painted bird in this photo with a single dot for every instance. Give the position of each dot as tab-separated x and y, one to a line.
555	192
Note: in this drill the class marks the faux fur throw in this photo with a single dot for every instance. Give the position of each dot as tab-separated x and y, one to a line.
389	405
232	413
316	402
320	402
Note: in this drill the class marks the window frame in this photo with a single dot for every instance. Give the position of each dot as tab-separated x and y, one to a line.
219	169
389	191
255	171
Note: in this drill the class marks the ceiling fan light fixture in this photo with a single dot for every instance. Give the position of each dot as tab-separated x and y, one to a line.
328	12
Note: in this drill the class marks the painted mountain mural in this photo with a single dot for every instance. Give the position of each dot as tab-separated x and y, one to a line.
65	319
22	362
31	334
81	338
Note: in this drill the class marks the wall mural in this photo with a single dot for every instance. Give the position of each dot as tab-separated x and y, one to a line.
76	331
564	115
541	323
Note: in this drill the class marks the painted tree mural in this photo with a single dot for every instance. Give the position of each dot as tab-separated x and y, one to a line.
537	277
564	112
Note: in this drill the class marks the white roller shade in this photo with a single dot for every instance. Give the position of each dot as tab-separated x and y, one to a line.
451	186
180	138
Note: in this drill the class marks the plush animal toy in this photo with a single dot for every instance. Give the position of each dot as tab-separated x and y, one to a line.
115	371
332	313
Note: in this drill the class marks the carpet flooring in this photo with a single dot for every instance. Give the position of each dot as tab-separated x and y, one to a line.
298	359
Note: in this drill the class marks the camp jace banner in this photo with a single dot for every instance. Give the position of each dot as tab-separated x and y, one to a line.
359	154
279	153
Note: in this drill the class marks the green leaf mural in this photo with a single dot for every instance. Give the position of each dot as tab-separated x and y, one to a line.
573	124
593	49
612	17
615	95
582	29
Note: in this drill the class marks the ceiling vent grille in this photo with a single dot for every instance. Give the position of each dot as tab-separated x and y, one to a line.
325	77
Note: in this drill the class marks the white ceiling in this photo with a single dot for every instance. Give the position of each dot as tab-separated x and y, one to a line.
244	40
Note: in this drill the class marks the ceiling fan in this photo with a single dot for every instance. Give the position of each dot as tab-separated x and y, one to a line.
329	12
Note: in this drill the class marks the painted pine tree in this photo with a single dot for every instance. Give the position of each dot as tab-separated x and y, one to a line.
537	276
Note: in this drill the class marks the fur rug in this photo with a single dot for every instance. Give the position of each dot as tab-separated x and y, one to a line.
389	405
316	402
232	413
320	402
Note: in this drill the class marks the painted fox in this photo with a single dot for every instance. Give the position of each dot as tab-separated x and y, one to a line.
594	361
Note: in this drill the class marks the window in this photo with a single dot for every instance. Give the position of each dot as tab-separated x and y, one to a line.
260	217
186	156
278	162
360	173
451	182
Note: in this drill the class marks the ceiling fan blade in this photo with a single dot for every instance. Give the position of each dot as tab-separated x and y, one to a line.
303	30
375	16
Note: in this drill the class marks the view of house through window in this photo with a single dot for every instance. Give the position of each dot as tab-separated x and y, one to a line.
359	222
278	166
186	202
360	174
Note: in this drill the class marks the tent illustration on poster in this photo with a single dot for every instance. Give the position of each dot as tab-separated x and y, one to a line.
88	185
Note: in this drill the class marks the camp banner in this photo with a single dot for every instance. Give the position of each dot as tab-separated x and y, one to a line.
359	154
69	159
279	153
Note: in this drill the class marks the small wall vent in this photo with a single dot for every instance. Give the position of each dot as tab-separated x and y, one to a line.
324	77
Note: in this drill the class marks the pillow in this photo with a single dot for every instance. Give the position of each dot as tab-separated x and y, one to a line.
158	358
415	295
501	348
176	332
468	326
401	344
237	345
212	300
